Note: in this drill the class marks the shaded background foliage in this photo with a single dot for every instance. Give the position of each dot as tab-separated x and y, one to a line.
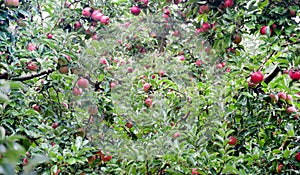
200	88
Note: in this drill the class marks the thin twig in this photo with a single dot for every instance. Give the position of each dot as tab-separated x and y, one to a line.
41	14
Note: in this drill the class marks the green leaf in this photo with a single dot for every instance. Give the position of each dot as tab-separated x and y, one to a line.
71	161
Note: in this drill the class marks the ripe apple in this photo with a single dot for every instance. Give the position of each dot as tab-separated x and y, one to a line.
96	15
232	140
162	73
176	33
297	156
31	47
129	125
274	98
204	9
282	95
289	99
112	85
231	50
257	77
91	159
106	158
77	92
32	66
36	107
166	11
181	58
146	87
292	13
54	125
223	64
77	25
176	134
228	3
264	29
194	171
294	74
25	161
237	38
205	26
279	168
11	3
103	61
177	2
49	36
130	69
86	12
198	62
291	110
64	69
219	66
148	102
93	110
83	83
66	106
94	37
135	10
104	20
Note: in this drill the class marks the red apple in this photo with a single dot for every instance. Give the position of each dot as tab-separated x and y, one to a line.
292	13
219	66
198	62
54	125
204	9
96	15
228	3
146	87
65	105
103	61
237	39
289	99
32	66
11	3
162	73
77	25
274	98
93	110
49	36
232	140
231	50
291	110
279	168
194	171
223	64
297	156
86	12
104	20
83	83
181	58
129	125
166	11
91	159
31	47
36	107
148	102
264	29
176	134
257	77
282	95
130	69
135	10
77	92
112	85
25	161
294	74
205	27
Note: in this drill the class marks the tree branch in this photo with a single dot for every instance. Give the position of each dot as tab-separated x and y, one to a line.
5	75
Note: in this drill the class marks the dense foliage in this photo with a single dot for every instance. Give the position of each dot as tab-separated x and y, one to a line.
149	87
